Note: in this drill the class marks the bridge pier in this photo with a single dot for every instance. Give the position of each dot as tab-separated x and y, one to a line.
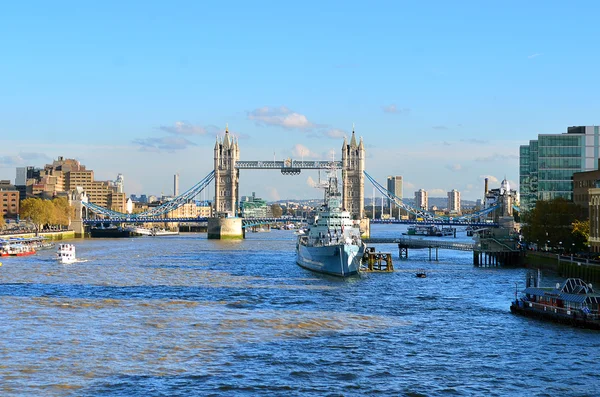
225	229
436	254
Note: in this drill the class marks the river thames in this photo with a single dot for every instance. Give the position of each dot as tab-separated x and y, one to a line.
183	315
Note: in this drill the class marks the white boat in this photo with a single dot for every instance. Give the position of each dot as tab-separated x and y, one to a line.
66	253
141	230
332	244
163	232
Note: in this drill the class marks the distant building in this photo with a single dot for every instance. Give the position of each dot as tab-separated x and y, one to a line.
64	176
454	202
547	164
582	183
504	196
421	199
394	186
176	185
9	200
254	207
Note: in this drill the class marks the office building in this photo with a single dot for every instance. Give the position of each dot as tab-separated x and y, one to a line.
254	207
582	183
65	175
547	165
421	200
454	202
9	200
394	186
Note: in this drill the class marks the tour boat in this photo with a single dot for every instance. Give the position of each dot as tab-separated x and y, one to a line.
66	253
16	249
573	302
332	244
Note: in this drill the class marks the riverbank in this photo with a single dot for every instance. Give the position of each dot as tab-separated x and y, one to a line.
565	266
55	235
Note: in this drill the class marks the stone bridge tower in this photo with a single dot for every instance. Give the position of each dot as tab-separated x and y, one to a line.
226	154
353	177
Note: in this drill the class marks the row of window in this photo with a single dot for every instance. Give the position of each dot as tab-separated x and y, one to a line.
559	140
565	151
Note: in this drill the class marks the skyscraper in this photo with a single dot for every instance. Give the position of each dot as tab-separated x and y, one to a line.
176	185
421	199
394	186
454	201
546	165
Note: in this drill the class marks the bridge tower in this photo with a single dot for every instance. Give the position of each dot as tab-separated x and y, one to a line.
353	177
226	154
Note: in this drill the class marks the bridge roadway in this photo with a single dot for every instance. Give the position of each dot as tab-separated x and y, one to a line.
411	242
433	222
246	222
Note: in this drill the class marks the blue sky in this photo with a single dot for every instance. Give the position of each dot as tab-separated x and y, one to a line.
442	92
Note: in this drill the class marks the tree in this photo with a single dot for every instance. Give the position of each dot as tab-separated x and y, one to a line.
276	210
63	211
552	222
2	221
581	235
36	211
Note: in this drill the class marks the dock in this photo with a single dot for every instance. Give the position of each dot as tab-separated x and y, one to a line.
377	261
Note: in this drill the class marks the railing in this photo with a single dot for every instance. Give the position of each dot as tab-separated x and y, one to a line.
560	310
422	243
306	165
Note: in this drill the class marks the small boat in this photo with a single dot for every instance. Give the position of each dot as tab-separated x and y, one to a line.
421	273
573	302
66	253
163	232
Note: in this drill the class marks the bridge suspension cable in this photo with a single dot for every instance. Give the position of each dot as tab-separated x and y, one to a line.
426	215
161	209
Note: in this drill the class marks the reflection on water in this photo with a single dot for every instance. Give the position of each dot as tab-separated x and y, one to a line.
186	316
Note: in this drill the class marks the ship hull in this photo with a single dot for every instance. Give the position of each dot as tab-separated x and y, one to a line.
336	260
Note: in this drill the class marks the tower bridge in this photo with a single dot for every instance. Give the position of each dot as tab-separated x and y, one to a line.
226	174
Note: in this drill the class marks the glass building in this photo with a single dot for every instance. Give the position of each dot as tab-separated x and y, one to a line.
546	165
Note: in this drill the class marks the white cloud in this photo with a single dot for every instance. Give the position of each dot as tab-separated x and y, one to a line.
303	152
437	192
491	178
311	182
184	128
534	55
272	193
335	133
167	143
454	167
280	116
394	109
22	159
497	157
439	127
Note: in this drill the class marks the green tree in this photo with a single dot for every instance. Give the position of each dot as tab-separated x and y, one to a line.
62	210
581	235
36	211
551	222
276	210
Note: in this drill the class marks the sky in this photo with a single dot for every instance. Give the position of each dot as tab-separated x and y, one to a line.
443	93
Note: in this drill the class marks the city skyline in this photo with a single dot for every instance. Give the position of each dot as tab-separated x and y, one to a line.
444	106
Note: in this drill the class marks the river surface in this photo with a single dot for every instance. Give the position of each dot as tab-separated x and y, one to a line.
183	315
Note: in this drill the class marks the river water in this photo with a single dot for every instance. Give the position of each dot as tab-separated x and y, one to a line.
183	315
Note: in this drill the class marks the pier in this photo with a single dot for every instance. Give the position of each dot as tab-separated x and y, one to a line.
404	243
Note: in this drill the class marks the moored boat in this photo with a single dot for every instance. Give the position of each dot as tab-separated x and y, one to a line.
332	244
573	302
113	232
65	253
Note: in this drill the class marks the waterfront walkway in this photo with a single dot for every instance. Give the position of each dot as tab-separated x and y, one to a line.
410	242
